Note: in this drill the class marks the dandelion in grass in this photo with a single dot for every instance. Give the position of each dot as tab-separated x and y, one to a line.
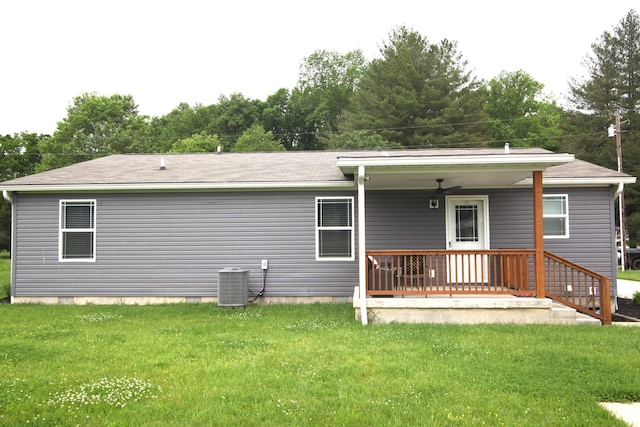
99	317
116	392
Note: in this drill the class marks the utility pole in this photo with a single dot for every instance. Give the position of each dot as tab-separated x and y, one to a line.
623	234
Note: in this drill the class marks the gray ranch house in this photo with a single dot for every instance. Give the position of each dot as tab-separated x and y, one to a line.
441	235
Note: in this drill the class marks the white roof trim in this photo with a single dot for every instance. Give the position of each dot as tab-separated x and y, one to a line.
541	160
198	186
576	182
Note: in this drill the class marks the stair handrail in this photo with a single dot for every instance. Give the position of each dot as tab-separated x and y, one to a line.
578	287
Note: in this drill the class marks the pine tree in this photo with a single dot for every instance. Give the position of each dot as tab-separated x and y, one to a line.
418	94
613	83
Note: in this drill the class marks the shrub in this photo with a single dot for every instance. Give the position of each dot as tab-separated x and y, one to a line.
636	297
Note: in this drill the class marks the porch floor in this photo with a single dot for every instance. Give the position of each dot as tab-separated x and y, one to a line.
468	309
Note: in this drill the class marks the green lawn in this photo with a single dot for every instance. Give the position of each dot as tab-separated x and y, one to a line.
5	273
203	365
629	275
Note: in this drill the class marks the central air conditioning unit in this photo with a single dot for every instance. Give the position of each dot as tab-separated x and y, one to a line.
233	287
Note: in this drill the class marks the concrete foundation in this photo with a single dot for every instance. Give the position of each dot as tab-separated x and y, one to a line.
168	300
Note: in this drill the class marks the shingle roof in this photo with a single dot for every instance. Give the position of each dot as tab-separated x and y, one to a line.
581	169
284	167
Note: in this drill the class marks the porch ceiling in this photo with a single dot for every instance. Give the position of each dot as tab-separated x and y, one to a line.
426	180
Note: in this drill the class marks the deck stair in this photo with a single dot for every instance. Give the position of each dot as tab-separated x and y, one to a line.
563	315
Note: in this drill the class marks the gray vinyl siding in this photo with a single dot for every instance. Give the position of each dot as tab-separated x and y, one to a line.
591	221
403	220
173	244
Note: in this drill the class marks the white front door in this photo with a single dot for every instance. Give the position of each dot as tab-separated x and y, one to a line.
467	229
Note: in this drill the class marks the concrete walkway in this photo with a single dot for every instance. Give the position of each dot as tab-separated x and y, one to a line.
626	288
627	412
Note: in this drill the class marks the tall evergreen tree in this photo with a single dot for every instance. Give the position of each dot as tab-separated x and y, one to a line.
613	80
418	94
613	83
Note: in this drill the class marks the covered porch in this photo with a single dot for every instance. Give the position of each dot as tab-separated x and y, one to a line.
464	271
481	287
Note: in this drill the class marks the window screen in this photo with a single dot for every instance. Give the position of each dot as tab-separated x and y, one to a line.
555	215
77	230
334	228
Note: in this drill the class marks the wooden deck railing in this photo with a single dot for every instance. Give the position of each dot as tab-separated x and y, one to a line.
423	272
485	272
578	287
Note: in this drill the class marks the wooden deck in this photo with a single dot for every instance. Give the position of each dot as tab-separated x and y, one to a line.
489	273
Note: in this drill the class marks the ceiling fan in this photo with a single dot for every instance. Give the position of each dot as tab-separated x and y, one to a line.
442	191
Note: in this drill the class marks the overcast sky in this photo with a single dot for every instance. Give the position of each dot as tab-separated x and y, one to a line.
165	52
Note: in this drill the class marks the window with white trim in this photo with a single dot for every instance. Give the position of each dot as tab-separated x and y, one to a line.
555	215
334	228
77	239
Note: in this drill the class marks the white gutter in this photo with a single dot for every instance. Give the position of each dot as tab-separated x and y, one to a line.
543	160
182	186
362	248
576	182
7	196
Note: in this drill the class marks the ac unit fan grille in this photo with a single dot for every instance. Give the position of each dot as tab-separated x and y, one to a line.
233	287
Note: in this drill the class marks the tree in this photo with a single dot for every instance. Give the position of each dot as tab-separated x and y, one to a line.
256	139
614	71
182	122
95	126
518	112
232	116
363	140
613	83
328	80
418	94
19	154
286	116
198	143
18	157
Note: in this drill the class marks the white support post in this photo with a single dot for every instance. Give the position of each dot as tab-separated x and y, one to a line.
362	248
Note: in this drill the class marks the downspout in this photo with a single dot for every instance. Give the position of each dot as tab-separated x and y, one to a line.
9	198
362	248
623	235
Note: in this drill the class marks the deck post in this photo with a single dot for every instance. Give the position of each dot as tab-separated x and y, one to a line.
362	248
605	300
538	234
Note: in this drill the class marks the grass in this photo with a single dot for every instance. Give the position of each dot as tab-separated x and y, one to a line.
201	365
629	275
5	274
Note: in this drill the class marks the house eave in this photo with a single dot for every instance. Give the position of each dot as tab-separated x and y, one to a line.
194	187
579	182
529	161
